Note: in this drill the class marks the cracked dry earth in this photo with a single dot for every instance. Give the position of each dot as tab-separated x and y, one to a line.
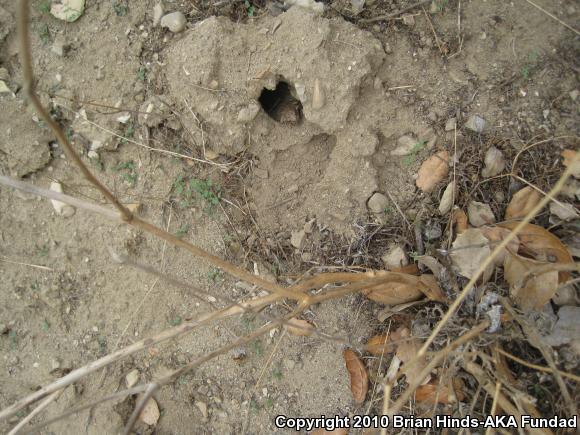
294	117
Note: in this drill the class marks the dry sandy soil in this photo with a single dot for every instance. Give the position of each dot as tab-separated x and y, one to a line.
292	117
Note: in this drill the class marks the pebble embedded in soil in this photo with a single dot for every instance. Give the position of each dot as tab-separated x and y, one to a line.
494	163
59	46
61	208
318	99
174	21
480	214
451	124
249	113
378	203
297	239
157	14
132	378
395	257
406	146
476	123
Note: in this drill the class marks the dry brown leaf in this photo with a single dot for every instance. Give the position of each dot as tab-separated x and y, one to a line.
434	391
299	327
569	156
522	202
431	289
432	171
541	245
379	345
359	378
150	414
410	269
537	290
495	235
407	349
460	220
470	249
402	288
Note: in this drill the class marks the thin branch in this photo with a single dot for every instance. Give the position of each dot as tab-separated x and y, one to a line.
30	90
54	396
537	367
554	18
79	373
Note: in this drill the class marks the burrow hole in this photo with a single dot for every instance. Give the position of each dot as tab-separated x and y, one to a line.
280	104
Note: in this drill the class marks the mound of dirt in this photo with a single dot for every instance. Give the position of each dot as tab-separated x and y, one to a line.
318	155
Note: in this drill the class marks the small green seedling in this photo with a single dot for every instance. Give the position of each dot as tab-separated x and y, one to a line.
182	231
527	69
214	275
120	9
176	321
127	172
102	344
44	7
418	147
258	349
44	33
249	8
45	325
129	133
142	73
185	189
277	373
42	251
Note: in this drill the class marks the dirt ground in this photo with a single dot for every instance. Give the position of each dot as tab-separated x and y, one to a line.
285	123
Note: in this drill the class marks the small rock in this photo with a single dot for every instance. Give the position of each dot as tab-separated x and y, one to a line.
357	6
447	199
378	203
297	238
306	257
288	363
150	414
432	230
261	173
480	214
54	365
132	378
157	14
408	20
395	257
4	89
93	155
309	226
451	124
124	118
318	98
202	406
61	208
564	211
3	329
574	94
249	113
406	145
494	163
68	10
4	74
174	21
475	123
566	329
59	46
211	154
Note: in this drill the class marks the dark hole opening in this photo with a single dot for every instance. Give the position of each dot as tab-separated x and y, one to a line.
280	104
